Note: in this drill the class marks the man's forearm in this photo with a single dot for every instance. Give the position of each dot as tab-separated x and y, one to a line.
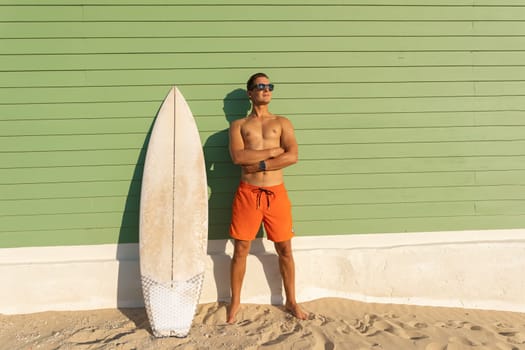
284	160
251	156
275	163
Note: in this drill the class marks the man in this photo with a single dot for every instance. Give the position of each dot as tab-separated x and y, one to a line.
262	144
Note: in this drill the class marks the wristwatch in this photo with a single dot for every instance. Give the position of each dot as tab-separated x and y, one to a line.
262	165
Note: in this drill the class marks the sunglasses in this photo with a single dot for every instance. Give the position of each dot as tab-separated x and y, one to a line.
261	87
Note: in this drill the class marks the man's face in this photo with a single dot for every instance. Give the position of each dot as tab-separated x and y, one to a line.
260	96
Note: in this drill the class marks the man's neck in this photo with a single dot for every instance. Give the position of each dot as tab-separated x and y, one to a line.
260	111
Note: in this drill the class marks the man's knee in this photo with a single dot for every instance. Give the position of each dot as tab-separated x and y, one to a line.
241	249
284	249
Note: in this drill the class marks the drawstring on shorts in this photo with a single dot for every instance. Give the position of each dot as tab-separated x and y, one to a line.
259	192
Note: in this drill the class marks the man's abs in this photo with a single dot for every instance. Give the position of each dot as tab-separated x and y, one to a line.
263	178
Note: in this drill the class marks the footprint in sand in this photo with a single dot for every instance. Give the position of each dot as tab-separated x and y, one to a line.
409	334
455	324
345	329
463	341
511	334
383	326
364	326
319	319
372	325
473	327
406	330
458	324
418	325
289	334
514	337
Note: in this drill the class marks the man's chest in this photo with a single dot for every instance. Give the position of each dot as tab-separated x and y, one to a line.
256	131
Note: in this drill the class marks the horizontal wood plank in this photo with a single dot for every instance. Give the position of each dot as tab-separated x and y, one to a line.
409	115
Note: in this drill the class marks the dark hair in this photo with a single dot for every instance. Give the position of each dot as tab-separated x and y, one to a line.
250	83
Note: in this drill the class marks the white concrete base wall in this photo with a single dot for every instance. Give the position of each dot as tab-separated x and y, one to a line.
472	269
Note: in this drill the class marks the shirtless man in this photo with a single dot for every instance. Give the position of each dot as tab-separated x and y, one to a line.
262	144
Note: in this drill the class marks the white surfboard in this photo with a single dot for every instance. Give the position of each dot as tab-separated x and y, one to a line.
173	219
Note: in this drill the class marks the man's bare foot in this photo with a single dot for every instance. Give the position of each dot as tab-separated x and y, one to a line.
232	312
296	310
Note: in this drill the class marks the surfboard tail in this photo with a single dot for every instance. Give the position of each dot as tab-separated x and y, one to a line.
171	307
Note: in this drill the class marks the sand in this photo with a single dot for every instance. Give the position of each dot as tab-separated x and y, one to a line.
333	324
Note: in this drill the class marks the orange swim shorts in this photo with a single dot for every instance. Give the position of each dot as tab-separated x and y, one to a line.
253	205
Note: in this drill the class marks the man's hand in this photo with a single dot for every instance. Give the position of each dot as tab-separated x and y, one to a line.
275	152
250	169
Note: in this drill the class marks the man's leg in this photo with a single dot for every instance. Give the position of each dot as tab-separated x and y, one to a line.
287	267
237	271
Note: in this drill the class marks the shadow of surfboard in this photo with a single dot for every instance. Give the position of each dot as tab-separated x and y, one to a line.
129	288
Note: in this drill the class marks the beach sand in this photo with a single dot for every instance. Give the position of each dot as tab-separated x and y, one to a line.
334	324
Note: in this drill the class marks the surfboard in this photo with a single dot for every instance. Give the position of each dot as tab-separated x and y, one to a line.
173	227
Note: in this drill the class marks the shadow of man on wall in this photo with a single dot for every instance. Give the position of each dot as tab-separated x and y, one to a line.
223	179
129	289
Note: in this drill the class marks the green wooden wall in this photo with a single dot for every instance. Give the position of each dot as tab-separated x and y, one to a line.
409	114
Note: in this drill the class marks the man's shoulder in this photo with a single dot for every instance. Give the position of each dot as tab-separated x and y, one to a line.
238	122
283	120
